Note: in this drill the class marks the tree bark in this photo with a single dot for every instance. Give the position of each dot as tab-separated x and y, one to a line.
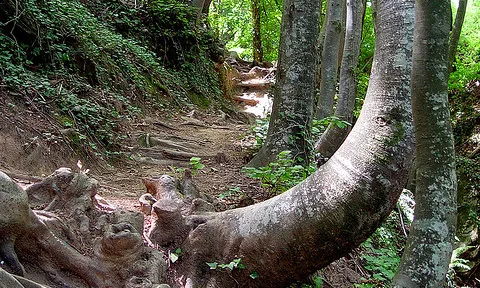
206	7
456	31
294	93
319	49
257	36
334	136
292	235
200	6
429	246
329	66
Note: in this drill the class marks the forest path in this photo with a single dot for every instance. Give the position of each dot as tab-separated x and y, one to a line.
165	145
161	144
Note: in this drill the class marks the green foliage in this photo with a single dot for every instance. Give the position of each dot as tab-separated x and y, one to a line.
201	81
382	262
259	130
459	264
467	64
315	282
173	256
196	165
91	65
281	175
235	191
365	59
234	264
319	126
468	172
232	21
254	275
381	253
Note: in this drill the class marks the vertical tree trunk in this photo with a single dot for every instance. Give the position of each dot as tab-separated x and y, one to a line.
341	47
455	36
429	246
206	7
198	4
294	93
257	39
329	66
319	49
333	137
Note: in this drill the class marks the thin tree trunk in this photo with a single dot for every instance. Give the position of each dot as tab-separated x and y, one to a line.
455	36
294	93
319	50
343	33
206	7
329	66
292	235
198	4
257	38
334	136
430	243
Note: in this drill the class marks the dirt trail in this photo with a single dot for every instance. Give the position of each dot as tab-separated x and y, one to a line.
160	143
161	146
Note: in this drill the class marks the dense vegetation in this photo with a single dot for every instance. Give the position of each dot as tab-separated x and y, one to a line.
93	65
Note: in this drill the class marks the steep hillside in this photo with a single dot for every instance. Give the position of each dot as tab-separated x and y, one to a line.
76	73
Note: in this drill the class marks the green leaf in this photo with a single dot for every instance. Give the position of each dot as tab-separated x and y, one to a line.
254	275
173	257
212	265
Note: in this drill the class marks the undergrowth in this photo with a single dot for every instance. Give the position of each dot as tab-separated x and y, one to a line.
91	67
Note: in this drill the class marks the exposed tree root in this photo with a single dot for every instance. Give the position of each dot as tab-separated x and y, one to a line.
61	236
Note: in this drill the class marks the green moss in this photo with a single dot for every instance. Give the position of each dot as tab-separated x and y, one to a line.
199	100
398	135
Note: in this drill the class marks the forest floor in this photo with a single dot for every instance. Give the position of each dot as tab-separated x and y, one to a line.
157	143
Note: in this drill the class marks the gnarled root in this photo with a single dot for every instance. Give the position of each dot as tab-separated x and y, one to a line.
69	205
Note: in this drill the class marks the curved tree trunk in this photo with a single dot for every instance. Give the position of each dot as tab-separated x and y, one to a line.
455	36
329	66
293	100
333	137
429	246
292	235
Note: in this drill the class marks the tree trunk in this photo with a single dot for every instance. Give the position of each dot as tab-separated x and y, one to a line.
206	7
429	246
292	235
329	66
294	93
333	137
257	39
199	5
319	49
455	36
